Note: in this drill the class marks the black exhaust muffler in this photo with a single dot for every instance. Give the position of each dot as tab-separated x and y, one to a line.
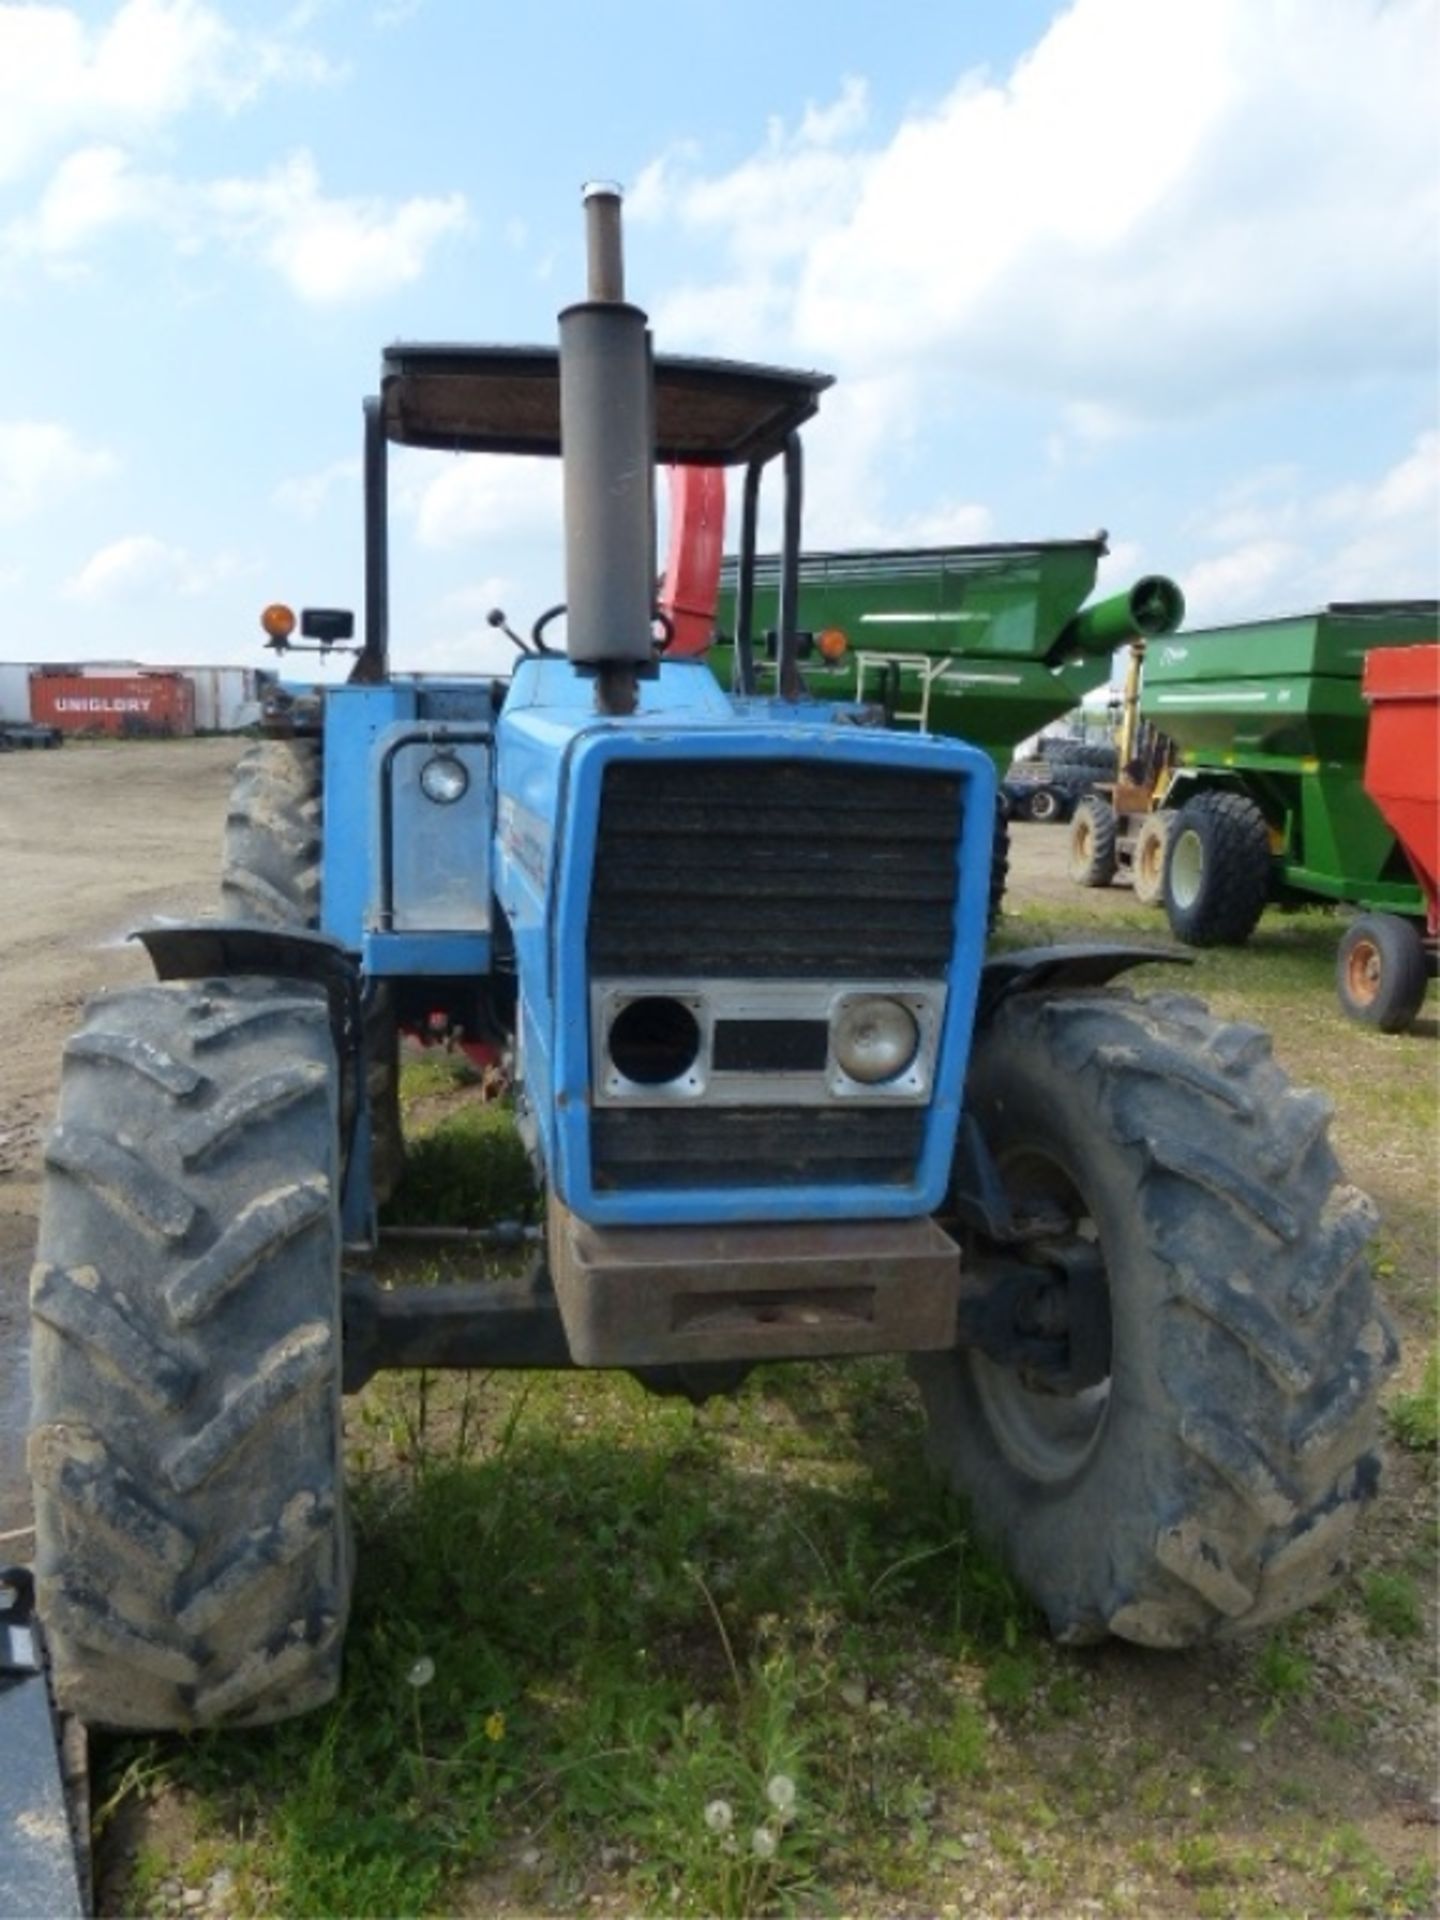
607	439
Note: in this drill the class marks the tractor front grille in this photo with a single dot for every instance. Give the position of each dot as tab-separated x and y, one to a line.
774	870
769	870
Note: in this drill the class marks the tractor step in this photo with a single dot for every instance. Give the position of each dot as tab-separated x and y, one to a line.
651	1296
44	1799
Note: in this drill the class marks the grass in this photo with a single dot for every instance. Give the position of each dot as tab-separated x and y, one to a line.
592	1619
465	1164
1415	1417
1392	1605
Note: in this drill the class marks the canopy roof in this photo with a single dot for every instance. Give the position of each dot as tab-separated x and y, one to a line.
708	413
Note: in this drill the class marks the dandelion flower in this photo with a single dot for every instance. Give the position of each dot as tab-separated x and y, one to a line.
763	1843
780	1792
422	1671
718	1816
495	1726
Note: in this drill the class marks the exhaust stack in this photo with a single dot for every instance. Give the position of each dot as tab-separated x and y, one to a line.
607	439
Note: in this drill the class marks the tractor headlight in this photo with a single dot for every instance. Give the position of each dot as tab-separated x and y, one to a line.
443	779
874	1039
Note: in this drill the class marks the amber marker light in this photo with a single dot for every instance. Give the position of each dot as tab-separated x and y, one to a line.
832	644
278	621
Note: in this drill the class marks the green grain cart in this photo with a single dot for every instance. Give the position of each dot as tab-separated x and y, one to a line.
986	643
1268	802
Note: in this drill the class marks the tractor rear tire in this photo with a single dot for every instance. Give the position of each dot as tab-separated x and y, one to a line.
192	1557
1209	1486
271	873
1217	870
1147	857
1092	843
1381	971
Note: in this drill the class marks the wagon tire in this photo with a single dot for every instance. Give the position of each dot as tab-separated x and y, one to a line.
191	1550
271	873
1209	1485
1092	843
1147	857
1381	971
1045	805
1217	870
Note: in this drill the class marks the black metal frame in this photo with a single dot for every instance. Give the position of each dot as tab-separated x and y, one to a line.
374	662
798	393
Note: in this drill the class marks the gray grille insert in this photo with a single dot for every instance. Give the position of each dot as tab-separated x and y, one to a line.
727	1147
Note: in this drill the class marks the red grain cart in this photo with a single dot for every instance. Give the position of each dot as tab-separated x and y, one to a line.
1386	959
139	705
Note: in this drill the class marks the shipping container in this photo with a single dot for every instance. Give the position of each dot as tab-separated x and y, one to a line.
227	699
128	706
14	690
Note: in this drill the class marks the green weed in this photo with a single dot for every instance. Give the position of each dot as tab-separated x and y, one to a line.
435	1072
1415	1417
1392	1605
468	1173
1283	1674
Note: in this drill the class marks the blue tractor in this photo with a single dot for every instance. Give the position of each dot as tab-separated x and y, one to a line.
780	1106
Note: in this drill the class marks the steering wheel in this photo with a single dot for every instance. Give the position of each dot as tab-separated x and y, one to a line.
537	632
658	618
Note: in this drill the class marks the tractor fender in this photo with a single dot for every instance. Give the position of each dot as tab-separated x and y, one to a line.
1048	969
222	949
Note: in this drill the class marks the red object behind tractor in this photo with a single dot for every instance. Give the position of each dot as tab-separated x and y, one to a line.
1385	960
132	705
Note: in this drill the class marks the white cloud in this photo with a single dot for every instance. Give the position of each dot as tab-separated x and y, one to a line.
1159	209
328	249
333	249
475	602
64	79
1284	548
306	495
143	567
482	497
1238	581
42	464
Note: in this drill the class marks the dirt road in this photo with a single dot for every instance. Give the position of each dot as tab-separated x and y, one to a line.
94	840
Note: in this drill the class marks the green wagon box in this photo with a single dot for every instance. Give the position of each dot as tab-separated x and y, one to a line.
987	643
1271	713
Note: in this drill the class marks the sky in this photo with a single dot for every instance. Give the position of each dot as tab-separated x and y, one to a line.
1166	267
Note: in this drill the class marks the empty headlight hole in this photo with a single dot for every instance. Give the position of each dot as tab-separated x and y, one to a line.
654	1040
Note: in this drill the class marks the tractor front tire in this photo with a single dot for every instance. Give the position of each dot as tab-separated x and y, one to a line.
999	867
1217	870
271	873
1381	971
192	1556
1147	857
1092	843
1209	1485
